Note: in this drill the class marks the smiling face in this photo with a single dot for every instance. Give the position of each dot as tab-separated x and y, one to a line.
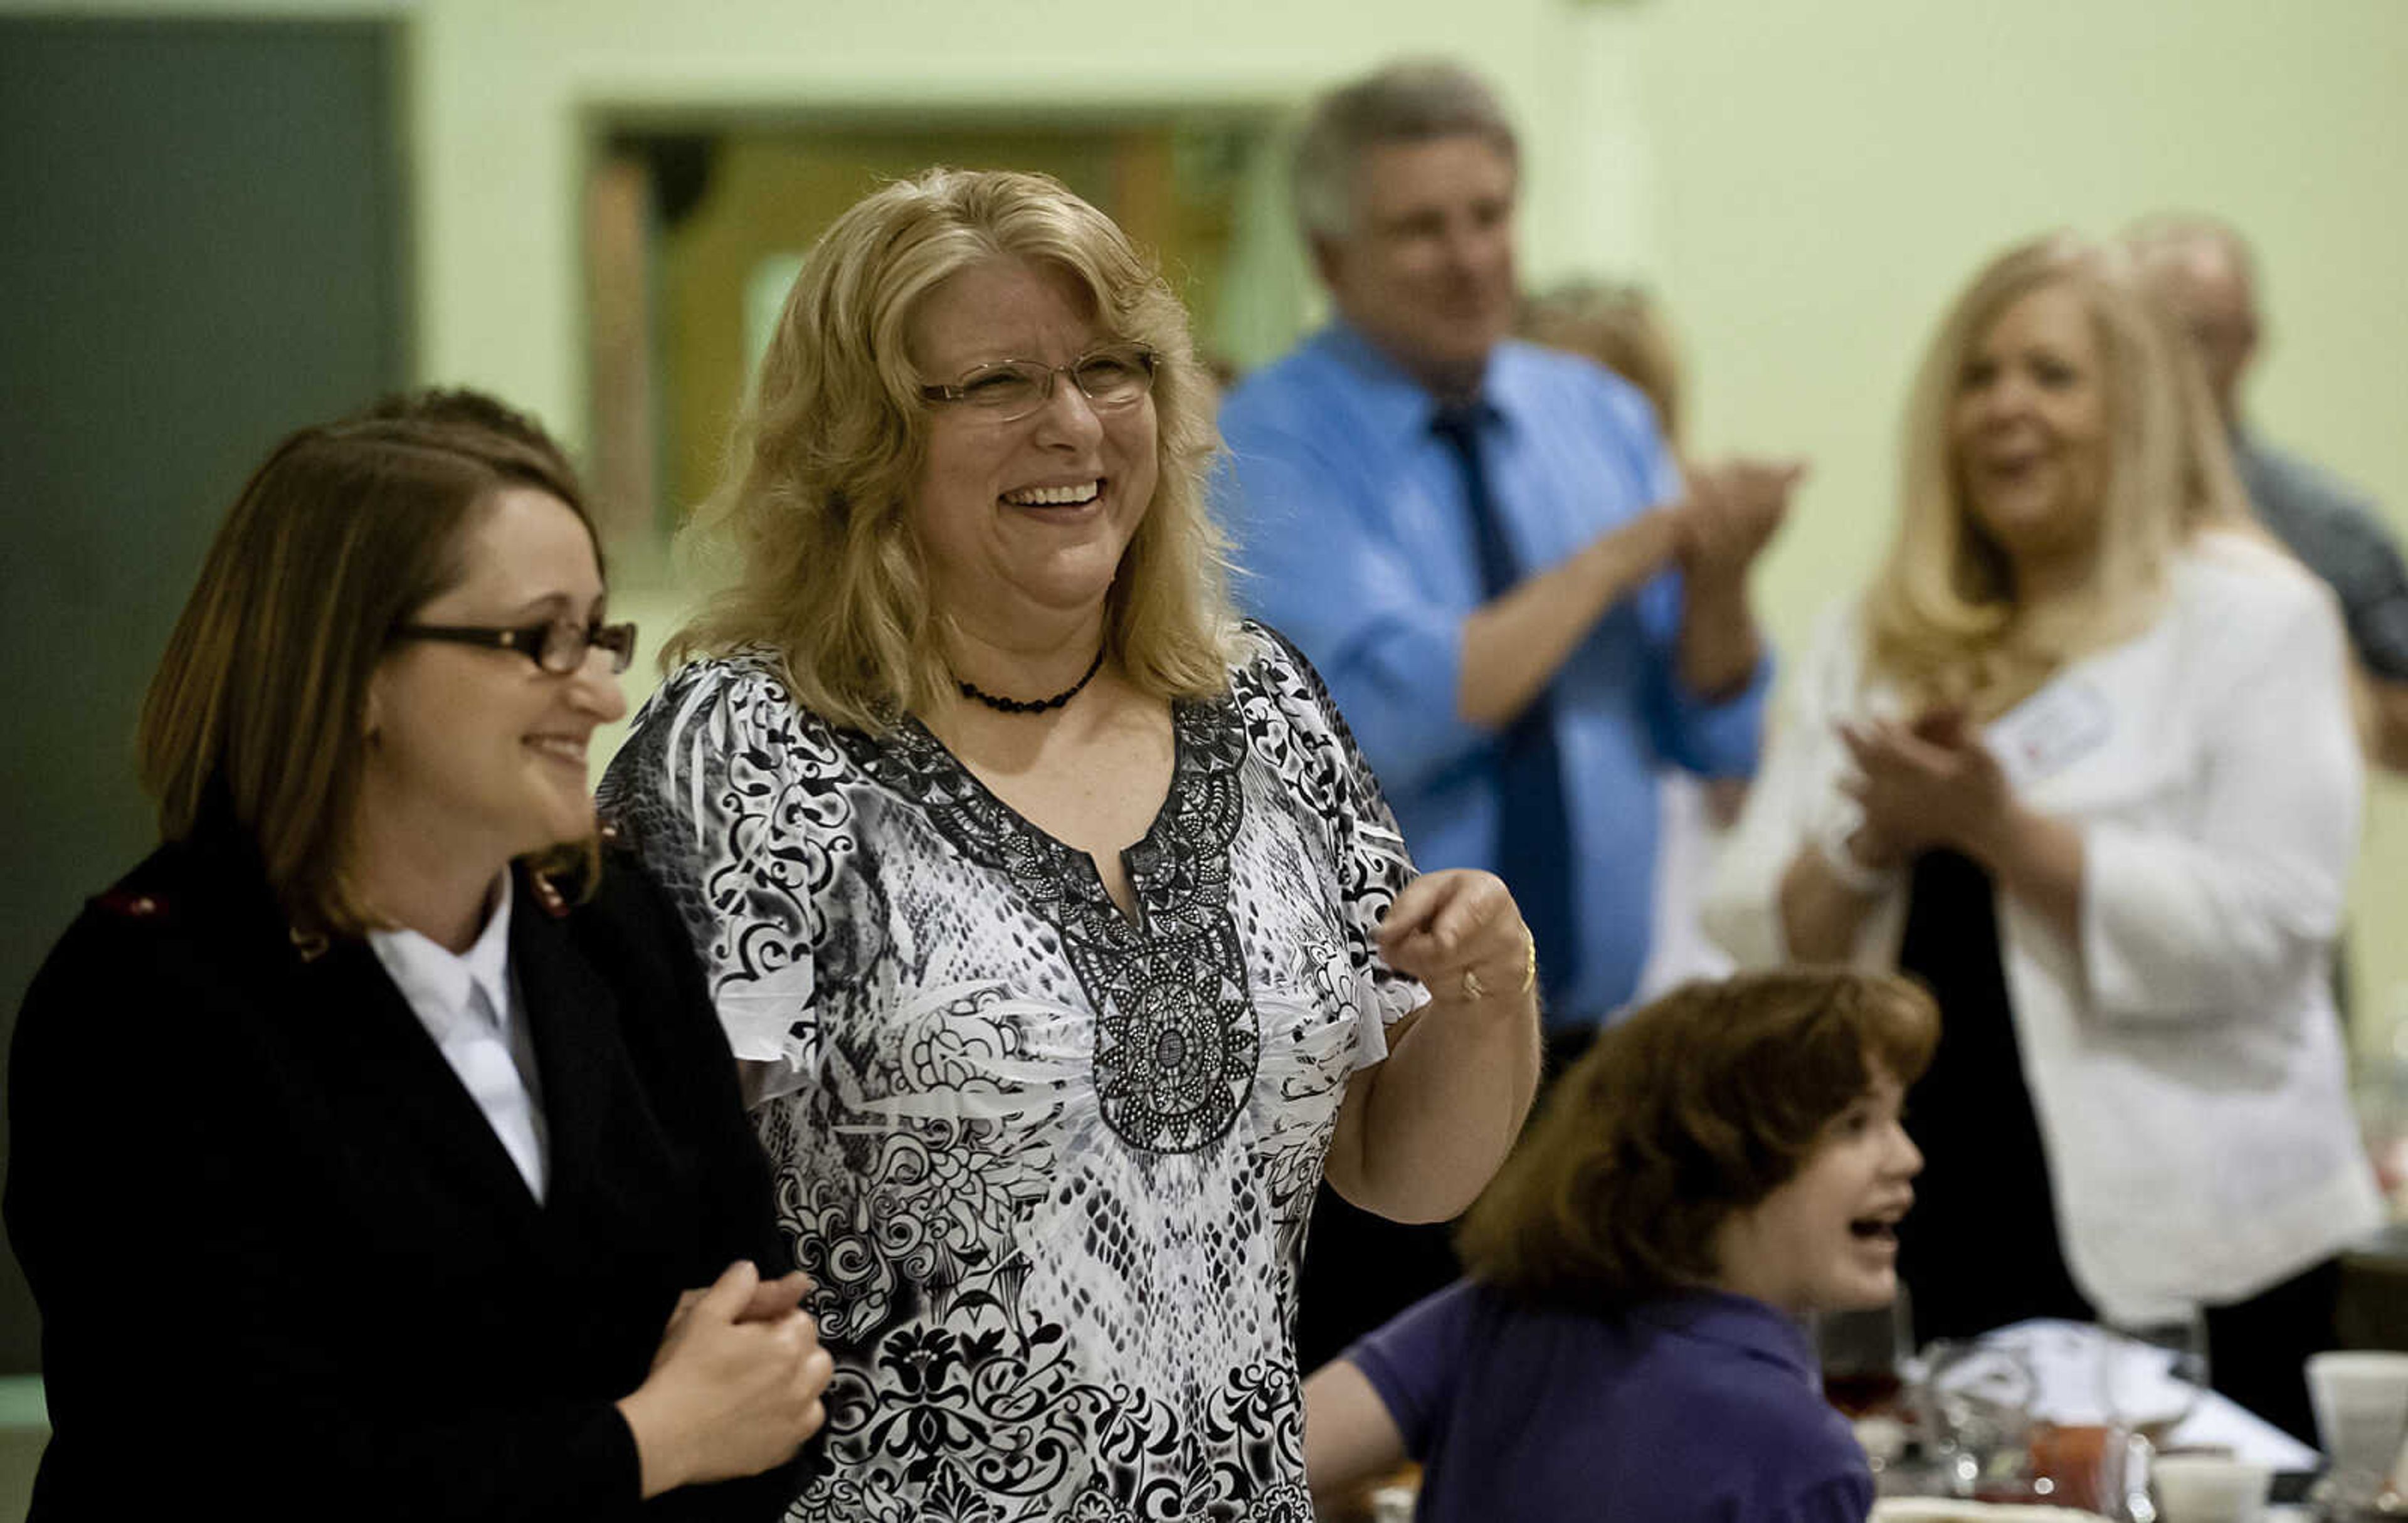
476	749
1024	523
1827	1239
1426	271
2028	430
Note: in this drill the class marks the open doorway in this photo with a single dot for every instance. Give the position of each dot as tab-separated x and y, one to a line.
695	232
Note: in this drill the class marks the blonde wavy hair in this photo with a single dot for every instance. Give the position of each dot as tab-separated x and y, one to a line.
809	525
1941	619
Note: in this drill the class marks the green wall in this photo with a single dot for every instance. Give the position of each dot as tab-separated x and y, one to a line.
1805	183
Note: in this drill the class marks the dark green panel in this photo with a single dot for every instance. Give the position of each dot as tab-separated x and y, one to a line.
203	250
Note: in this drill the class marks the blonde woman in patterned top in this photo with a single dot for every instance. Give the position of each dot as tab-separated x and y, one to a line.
1064	935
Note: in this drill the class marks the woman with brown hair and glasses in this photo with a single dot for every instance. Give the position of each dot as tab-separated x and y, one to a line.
357	1170
1626	1342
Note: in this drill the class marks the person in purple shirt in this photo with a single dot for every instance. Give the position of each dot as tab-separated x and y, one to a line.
1628	1344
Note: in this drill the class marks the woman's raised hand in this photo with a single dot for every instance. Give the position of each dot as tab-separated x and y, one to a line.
735	1386
1930	784
1460	933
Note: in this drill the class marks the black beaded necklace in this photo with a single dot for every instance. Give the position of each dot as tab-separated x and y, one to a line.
1033	706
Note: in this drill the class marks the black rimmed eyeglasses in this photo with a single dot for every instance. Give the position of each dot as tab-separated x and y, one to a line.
1113	376
556	645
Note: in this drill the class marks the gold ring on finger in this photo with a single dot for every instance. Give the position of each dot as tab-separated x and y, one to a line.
1529	962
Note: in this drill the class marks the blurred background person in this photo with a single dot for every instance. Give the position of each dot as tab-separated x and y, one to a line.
1490	552
1727	1161
1065	937
1621	328
2081	760
433	1151
2204	272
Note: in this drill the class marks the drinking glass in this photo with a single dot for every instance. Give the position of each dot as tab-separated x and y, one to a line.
1863	1356
2360	1398
2152	1370
1975	1401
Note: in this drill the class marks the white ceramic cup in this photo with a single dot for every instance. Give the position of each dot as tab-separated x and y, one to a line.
2209	1489
2360	1398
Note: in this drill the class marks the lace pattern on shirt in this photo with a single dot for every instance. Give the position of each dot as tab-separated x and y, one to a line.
1049	1164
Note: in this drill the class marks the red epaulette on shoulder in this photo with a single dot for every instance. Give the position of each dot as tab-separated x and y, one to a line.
131	904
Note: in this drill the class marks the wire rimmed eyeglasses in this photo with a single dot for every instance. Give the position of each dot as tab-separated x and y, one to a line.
1110	376
559	646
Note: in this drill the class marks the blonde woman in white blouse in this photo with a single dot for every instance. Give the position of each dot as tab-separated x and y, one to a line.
2081	757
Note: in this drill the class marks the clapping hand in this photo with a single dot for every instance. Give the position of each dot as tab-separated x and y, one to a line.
1729	513
1460	934
1932	783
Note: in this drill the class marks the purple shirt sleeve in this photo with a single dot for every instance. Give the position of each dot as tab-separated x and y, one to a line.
1413	1360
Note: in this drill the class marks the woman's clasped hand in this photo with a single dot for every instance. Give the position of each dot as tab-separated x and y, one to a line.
1933	781
735	1387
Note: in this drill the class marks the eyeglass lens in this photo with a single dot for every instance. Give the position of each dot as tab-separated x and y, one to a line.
1115	377
566	642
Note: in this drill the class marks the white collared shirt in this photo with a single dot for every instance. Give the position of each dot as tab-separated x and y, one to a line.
468	1003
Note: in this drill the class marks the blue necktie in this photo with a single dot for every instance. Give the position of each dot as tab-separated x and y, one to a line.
1534	842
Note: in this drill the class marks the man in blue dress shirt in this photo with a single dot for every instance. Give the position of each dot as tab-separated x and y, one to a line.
1521	604
1471	537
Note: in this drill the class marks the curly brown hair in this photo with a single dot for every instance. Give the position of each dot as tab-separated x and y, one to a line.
1695	1107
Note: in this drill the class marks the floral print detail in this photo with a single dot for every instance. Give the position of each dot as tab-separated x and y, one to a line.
1050	1164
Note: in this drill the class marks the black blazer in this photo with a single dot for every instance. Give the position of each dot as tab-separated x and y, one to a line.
281	1259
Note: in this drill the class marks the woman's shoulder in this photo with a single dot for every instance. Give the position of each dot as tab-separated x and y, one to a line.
133	969
135	922
1289	716
1259	649
710	712
746	687
2238	585
1266	668
2244	565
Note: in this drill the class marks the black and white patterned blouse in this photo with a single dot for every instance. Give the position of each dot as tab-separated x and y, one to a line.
1049	1165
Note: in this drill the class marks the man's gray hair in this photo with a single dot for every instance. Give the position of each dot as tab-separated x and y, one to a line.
2176	234
1410	101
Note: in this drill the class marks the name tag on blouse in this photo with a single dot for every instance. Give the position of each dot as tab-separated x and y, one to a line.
2051	730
